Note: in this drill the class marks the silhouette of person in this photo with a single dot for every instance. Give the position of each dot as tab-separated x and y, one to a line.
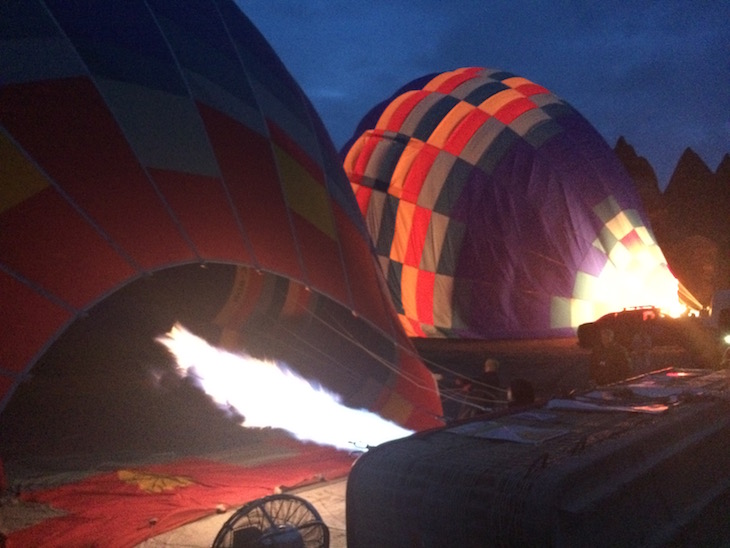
520	392
610	361
484	391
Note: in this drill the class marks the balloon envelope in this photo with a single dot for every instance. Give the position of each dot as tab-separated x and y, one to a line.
147	136
498	211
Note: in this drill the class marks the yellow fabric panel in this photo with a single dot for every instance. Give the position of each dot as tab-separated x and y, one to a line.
620	256
441	78
391	108
620	225
582	311
403	166
304	194
403	225
19	179
396	408
515	81
408	283
645	235
449	122
293	303
498	100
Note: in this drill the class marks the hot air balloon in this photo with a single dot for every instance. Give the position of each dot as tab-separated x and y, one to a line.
498	211
151	145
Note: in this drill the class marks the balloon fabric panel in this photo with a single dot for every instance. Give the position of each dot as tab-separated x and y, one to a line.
151	138
519	175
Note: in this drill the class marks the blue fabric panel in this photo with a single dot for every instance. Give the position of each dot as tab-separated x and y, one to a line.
453	187
394	276
433	117
32	47
482	93
387	226
135	50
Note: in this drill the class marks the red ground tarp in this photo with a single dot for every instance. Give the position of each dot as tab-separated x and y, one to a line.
127	506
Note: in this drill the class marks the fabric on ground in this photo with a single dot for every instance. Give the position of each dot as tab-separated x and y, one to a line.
127	506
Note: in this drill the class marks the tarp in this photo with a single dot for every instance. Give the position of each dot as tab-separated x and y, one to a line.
124	507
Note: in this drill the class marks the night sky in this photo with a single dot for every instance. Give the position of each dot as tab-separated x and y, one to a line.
657	73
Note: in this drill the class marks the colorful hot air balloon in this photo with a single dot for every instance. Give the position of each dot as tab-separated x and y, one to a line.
498	211
142	137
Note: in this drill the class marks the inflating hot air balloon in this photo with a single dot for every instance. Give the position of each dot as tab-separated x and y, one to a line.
498	211
154	144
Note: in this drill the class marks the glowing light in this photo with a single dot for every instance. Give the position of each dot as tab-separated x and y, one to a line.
269	394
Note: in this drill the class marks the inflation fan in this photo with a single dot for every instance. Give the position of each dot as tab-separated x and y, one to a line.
276	520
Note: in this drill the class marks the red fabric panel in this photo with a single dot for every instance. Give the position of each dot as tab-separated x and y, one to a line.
531	89
424	296
27	322
369	300
418	172
457	79
464	131
417	236
6	383
248	168
404	109
81	147
513	109
362	195
46	241
361	162
321	257
417	384
204	211
632	240
106	510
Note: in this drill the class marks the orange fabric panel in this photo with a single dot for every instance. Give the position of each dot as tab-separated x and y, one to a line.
449	123
397	112
403	223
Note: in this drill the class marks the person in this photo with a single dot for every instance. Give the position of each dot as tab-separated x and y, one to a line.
725	362
641	350
520	392
610	361
483	391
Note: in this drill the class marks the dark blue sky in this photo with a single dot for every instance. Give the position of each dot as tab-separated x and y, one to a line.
657	72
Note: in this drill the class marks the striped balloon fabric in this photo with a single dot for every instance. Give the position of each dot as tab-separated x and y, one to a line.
498	211
138	136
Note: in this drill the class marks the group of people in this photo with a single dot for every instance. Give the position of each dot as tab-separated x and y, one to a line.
610	362
468	397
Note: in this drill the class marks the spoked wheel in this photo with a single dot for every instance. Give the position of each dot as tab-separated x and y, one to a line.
276	520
